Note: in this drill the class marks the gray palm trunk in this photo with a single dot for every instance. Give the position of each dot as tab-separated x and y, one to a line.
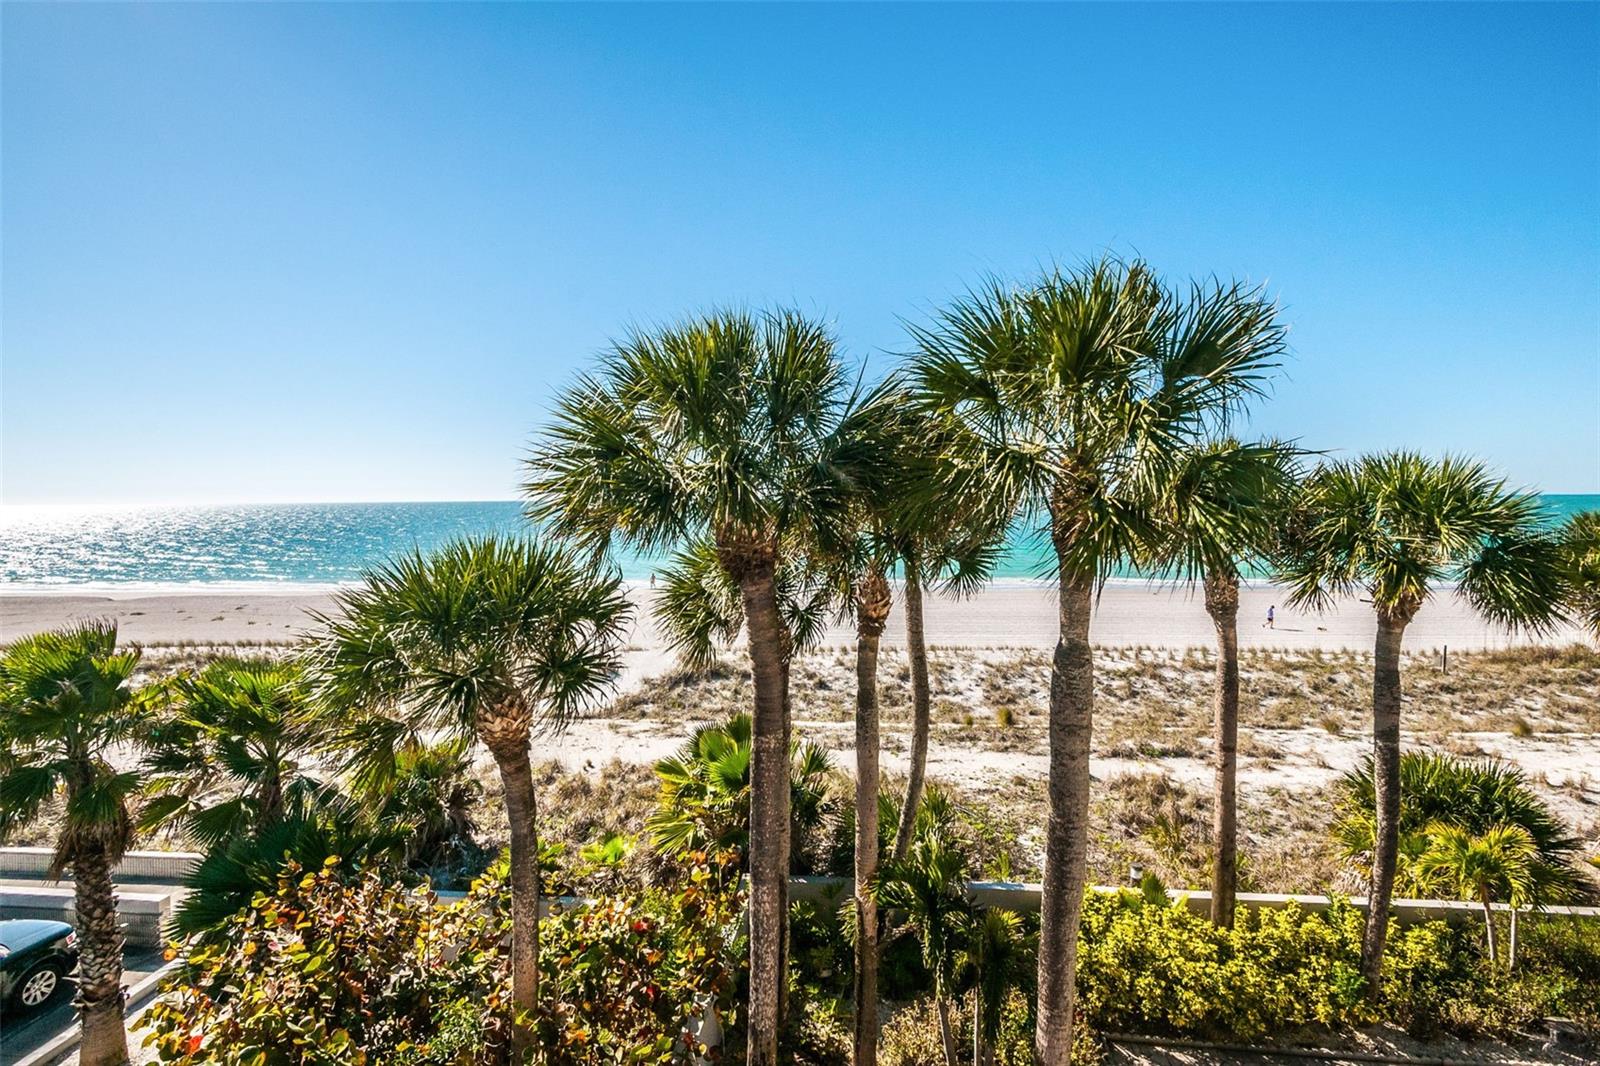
947	1032
1386	780
769	812
1066	833
872	610
917	654
100	997
516	782
1222	604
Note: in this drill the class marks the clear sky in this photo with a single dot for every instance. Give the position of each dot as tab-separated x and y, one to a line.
287	252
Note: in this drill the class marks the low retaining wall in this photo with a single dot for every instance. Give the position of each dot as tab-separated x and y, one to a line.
159	866
143	914
1018	896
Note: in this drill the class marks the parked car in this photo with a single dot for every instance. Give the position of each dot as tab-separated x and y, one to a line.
35	959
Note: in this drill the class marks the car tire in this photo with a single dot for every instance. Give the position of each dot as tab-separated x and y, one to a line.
40	986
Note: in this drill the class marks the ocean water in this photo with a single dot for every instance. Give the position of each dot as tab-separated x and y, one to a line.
323	544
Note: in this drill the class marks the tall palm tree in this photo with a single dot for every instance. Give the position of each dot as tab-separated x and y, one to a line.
1222	511
1067	401
1496	865
66	701
228	753
1393	528
724	427
1580	552
486	638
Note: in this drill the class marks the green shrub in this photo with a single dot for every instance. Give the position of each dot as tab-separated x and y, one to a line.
333	972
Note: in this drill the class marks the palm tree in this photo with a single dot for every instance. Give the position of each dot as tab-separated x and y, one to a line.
1496	865
725	427
430	797
1580	552
1222	512
928	890
996	953
1066	402
67	702
227	755
1392	528
485	638
1473	795
704	799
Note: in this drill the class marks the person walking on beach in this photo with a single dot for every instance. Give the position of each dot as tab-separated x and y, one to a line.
1272	613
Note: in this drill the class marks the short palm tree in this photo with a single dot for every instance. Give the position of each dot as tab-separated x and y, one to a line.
1474	795
1494	866
486	638
1392	528
997	953
229	750
1222	511
1066	402
725	427
926	890
704	800
66	701
1580	554
430	796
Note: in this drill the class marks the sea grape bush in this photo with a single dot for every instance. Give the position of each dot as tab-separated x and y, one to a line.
335	970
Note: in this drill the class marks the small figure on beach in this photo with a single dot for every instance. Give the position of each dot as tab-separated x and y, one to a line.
652	579
1272	616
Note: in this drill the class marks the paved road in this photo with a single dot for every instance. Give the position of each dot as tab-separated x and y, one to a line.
21	1034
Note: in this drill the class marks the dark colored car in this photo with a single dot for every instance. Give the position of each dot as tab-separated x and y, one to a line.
35	959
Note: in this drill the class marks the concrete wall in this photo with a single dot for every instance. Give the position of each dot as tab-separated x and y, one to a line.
143	914
1010	895
160	866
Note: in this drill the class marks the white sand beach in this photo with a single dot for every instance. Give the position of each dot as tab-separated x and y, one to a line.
1002	615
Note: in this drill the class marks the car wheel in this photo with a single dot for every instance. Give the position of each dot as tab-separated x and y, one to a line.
39	986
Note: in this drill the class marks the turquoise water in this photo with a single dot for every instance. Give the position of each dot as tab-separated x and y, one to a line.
303	544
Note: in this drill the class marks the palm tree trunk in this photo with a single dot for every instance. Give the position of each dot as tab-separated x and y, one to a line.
1488	930
1066	833
917	654
1386	780
769	813
1222	604
947	1034
1511	942
516	781
872	610
982	1050
100	998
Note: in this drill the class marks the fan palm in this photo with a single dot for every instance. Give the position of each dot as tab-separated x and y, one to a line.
67	702
1580	553
429	797
1067	402
1392	528
1473	795
704	800
226	756
1496	865
725	427
486	638
1222	510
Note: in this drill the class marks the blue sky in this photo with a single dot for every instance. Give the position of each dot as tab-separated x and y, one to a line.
263	252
